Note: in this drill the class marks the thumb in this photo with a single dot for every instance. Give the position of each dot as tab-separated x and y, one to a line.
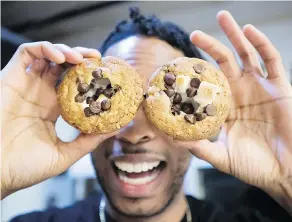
84	144
74	145
215	153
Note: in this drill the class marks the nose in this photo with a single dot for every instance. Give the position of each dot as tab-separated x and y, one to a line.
139	130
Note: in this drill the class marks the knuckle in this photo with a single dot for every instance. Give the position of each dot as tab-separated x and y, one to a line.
210	48
244	55
23	47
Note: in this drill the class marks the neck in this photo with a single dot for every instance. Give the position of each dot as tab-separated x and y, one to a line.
173	213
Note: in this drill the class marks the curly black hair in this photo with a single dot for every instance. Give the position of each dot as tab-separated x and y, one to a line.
151	26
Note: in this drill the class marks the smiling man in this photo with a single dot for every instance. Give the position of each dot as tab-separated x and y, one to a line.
139	168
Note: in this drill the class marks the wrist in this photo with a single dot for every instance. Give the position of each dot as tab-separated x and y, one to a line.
282	193
4	194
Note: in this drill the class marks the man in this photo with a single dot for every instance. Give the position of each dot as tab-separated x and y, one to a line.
255	144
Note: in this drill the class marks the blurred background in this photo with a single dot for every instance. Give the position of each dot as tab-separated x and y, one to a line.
87	24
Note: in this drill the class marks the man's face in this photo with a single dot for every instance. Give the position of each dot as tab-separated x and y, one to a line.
141	169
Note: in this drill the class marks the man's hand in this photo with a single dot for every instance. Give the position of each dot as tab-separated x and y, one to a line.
31	152
255	144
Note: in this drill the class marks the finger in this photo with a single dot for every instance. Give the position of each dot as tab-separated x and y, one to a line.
38	66
84	144
243	47
214	153
88	53
219	52
72	56
28	52
52	73
270	55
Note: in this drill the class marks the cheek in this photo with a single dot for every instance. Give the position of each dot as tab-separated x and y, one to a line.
99	161
180	160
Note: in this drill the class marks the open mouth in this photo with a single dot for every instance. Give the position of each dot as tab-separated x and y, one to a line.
139	173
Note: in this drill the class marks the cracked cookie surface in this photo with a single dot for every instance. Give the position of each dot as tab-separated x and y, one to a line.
100	96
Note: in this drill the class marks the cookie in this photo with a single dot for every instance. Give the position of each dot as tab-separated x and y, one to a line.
188	99
100	96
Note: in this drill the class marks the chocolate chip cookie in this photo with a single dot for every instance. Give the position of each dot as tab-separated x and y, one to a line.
100	96
188	99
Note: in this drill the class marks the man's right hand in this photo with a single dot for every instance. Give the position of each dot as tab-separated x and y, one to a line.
31	151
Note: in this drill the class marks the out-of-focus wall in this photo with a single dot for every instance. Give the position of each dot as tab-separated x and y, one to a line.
273	18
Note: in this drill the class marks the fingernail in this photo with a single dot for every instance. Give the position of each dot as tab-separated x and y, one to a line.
248	25
196	32
221	13
96	52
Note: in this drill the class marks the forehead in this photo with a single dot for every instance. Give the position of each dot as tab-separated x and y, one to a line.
145	54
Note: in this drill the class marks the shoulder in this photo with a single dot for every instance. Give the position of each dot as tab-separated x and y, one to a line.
85	210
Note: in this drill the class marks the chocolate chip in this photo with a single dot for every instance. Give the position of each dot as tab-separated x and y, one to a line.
109	86
97	73
169	92
175	109
89	100
198	68
95	107
87	112
79	98
177	98
118	88
79	79
106	104
83	88
108	93
195	82
95	97
145	95
98	92
169	79
190	118
187	108
196	106
191	92
211	110
200	116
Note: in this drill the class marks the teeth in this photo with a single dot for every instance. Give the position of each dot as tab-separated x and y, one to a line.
137	181
136	167
145	167
206	93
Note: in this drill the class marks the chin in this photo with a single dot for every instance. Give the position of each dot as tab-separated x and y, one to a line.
139	207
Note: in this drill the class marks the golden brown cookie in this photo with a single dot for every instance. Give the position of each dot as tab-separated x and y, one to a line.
100	96
188	99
